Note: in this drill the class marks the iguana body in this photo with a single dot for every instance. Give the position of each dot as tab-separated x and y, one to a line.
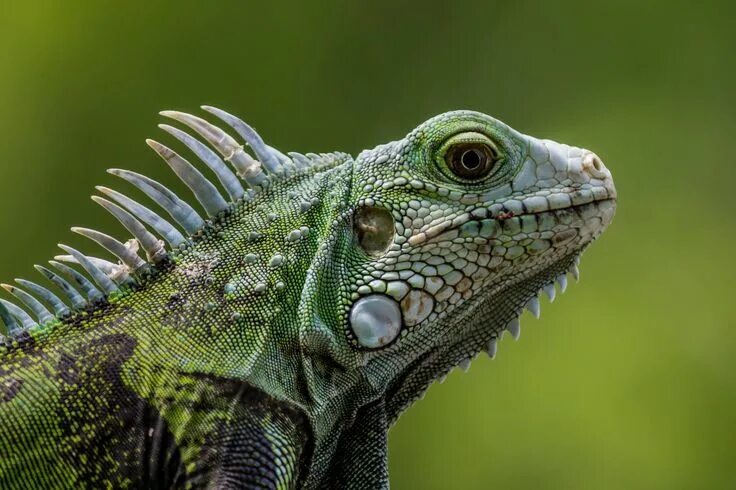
278	341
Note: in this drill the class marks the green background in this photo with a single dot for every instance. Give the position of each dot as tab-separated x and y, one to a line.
628	380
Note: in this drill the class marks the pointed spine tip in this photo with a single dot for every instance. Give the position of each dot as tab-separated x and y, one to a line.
533	306
159	148
514	328
465	364
492	348
575	272
550	291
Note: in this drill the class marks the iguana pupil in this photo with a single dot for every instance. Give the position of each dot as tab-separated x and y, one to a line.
471	161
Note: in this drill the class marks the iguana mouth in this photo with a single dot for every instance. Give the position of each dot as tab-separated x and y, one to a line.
555	204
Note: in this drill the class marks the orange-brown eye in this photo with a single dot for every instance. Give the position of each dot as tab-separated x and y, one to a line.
471	161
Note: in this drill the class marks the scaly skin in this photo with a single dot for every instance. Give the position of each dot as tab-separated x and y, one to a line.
276	348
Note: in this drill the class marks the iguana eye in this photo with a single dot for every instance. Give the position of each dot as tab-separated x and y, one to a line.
471	161
470	157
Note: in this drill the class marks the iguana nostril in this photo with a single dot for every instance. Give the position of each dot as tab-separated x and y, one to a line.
593	164
374	229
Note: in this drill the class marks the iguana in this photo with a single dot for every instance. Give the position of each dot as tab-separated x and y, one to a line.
269	336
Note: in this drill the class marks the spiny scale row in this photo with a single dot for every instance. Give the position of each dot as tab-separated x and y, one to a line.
105	277
514	325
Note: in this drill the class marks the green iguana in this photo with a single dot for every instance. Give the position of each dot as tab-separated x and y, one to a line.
271	341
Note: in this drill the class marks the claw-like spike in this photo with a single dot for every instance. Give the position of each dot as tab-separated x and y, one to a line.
76	299
562	281
465	364
492	348
575	272
283	159
93	294
162	227
264	153
205	192
153	247
109	268
26	321
42	314
107	285
119	273
104	265
60	308
248	168
301	161
514	328
182	212
11	324
533	306
549	290
128	256
228	180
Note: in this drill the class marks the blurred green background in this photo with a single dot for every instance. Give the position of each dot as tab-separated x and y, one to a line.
627	380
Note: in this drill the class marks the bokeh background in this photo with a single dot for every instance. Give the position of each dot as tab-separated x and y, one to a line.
628	380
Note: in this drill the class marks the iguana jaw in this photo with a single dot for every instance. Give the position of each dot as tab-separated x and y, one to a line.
486	317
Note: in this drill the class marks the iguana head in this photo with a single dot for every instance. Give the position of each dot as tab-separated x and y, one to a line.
449	233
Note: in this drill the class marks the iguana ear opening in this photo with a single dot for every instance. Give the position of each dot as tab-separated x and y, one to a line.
374	229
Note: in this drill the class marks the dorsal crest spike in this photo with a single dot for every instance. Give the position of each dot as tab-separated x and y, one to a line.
160	225
265	154
248	168
26	322
182	212
76	299
42	313
93	294
60	308
128	256
205	192
228	180
102	280
11	324
151	245
119	273
301	161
